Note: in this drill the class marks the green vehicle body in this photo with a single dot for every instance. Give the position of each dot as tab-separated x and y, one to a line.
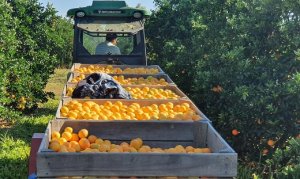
108	9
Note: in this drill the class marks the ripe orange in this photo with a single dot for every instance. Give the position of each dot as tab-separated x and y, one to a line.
69	129
136	143
271	142
92	138
55	145
99	141
83	133
67	136
84	143
235	132
75	145
95	146
189	149
55	135
74	137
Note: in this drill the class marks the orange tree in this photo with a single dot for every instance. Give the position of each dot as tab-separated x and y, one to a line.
30	46
239	61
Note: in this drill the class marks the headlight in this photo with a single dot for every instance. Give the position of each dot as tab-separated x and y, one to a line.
137	15
80	14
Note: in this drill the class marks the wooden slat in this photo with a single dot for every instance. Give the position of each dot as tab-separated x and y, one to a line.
135	164
127	130
216	142
200	134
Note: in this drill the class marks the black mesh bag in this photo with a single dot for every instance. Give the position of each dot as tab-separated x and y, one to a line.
100	86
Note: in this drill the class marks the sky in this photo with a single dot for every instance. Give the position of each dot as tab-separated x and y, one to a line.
62	6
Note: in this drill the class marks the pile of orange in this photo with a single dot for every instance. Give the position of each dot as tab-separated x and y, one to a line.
150	80
143	93
111	70
151	93
89	110
69	141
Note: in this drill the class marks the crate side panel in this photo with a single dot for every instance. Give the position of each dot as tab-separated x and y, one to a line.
136	165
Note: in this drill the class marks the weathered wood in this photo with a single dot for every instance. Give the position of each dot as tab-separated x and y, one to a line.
79	65
200	134
128	102
216	142
135	164
224	164
122	130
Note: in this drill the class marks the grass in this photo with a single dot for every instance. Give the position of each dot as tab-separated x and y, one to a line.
15	139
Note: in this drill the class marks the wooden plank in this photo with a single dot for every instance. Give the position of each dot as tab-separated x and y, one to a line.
122	130
135	164
141	102
200	134
46	138
216	142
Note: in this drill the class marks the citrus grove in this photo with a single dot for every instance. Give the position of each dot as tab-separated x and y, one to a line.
238	60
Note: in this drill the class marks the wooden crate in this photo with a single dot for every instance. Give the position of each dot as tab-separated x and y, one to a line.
221	163
159	76
79	65
173	88
128	102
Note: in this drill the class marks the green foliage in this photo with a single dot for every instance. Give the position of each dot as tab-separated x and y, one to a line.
241	60
285	163
32	40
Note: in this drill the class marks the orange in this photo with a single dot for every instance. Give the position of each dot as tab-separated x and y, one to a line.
198	150
114	150
107	142
70	149
55	146
69	129
189	149
63	149
235	132
66	144
74	137
95	146
136	143
75	145
62	140
115	109
55	135
64	109
84	143
67	136
83	133
99	141
92	138
271	142
104	147
196	117
132	149
206	150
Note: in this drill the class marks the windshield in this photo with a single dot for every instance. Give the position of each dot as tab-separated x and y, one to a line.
93	41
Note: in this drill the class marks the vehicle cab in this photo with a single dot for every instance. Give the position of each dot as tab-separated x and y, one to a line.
92	23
